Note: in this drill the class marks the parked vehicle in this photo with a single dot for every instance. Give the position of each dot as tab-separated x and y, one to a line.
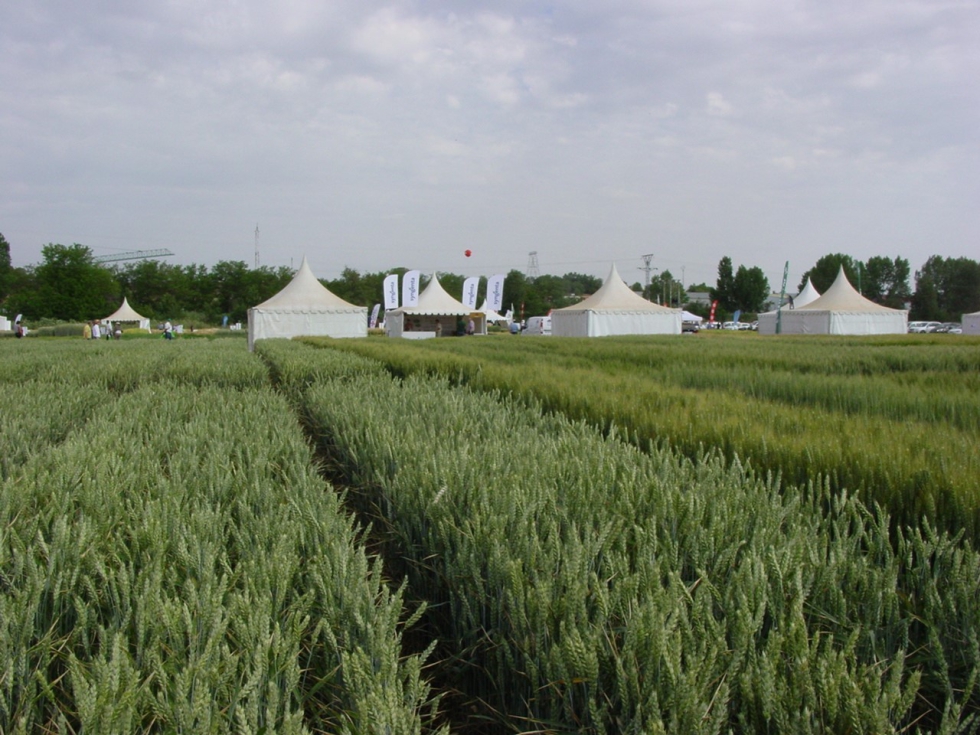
538	325
923	327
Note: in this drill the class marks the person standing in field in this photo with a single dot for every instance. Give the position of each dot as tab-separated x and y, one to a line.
438	328
87	331
96	331
168	330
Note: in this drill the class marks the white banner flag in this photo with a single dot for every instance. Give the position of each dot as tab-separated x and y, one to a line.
410	289
495	292
373	324
470	287
391	291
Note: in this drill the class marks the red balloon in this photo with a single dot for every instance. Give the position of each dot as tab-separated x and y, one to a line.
467	253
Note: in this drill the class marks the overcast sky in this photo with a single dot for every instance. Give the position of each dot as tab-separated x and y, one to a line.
373	135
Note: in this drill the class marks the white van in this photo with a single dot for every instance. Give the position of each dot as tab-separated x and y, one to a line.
538	325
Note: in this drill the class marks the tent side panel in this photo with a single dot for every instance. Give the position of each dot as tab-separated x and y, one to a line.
971	323
867	323
570	323
767	322
610	324
271	324
798	321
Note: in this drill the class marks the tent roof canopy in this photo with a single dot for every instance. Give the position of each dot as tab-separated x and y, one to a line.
808	295
125	313
615	295
306	293
491	315
841	296
434	301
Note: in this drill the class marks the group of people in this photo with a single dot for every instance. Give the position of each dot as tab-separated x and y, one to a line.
96	330
462	327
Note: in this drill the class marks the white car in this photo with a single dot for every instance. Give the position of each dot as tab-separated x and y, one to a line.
923	327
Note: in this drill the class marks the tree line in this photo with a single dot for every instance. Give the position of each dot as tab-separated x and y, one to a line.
69	285
945	288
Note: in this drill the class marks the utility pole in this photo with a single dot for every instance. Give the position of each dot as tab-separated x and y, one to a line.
646	268
256	246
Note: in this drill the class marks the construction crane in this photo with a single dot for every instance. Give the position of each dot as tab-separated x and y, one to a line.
133	255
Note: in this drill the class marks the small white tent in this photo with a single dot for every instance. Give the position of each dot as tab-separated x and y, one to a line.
435	308
614	309
971	323
767	320
842	310
490	315
126	314
305	308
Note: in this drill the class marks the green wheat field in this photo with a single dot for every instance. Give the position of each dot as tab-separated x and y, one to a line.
718	534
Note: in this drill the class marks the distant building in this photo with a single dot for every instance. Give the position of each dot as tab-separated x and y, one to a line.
699	297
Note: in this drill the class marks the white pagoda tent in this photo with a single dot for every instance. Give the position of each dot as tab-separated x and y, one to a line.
612	310
767	320
435	308
305	308
842	310
126	314
971	323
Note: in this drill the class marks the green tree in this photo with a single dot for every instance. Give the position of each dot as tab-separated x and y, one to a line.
946	288
364	289
548	292
750	289
724	290
156	289
70	286
515	293
886	281
823	274
580	284
667	290
231	288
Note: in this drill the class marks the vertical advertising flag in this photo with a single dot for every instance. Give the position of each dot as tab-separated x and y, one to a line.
711	317
410	289
470	287
495	292
391	291
373	324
